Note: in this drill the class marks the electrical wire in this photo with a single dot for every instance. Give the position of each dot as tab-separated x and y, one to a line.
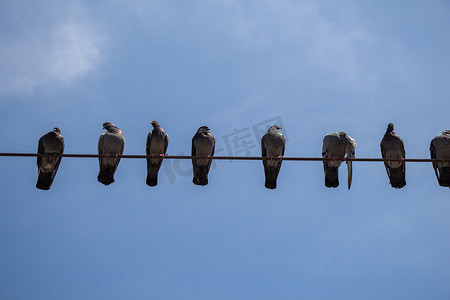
357	159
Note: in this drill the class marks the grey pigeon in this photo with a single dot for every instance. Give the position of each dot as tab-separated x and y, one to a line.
440	149
392	148
203	144
272	146
335	146
50	143
157	142
111	143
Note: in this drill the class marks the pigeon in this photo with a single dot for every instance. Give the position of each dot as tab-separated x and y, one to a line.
335	146
50	143
111	143
272	146
440	149
157	142
392	148
203	145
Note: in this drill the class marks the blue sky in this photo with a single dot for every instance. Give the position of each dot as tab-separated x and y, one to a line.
317	67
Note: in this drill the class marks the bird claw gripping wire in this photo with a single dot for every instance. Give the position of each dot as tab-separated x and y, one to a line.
163	155
335	158
275	158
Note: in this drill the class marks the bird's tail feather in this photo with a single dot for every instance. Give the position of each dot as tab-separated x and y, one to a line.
44	180
271	178
331	177
152	174
152	181
200	175
444	176
106	175
397	177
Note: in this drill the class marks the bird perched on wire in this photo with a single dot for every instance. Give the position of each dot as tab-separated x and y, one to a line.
111	144
50	143
392	147
272	146
440	149
335	146
203	144
157	142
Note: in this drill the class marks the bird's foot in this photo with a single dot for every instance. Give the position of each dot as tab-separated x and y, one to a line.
163	155
280	157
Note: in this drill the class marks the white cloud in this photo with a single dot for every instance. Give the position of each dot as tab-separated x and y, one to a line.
313	40
298	34
49	54
75	51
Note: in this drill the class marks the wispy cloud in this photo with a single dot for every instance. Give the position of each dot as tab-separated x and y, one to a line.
76	50
52	53
300	35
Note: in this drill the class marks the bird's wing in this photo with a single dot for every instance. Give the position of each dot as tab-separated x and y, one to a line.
383	155
403	155
193	152
166	143
433	156
212	154
100	148
149	142
40	151
350	154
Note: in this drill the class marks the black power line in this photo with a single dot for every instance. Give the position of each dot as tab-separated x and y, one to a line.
357	159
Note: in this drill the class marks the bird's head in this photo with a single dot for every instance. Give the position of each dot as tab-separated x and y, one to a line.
107	125
155	124
275	127
390	127
56	129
